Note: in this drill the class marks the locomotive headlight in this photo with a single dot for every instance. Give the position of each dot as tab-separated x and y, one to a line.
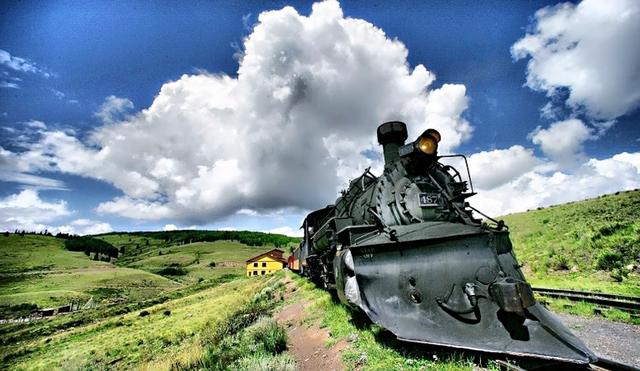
434	133
427	143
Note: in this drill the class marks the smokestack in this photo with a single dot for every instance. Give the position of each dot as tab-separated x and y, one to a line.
391	135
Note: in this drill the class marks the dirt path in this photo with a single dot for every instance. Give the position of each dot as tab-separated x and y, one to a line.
617	341
306	340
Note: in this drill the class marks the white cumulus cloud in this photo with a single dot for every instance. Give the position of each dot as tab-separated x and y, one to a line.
114	109
592	50
490	169
543	186
287	132
87	226
563	141
21	64
27	211
26	208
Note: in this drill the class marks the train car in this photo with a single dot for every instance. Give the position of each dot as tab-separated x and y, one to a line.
406	248
293	262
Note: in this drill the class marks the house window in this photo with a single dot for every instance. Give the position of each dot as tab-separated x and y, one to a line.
255	265
262	273
255	273
264	265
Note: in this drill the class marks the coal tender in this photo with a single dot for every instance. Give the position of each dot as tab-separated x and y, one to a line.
406	249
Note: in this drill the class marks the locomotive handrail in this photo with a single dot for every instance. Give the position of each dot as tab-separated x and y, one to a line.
465	164
499	223
461	213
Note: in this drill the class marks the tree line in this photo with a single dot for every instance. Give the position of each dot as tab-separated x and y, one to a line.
90	245
246	237
22	233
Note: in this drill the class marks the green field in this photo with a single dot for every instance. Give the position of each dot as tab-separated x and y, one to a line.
591	245
197	261
183	310
174	331
37	270
167	302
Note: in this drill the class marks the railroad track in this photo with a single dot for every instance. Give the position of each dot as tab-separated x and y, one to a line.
603	364
622	302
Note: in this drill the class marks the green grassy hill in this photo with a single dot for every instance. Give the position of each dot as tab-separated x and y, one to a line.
38	270
154	336
169	302
592	244
185	263
160	302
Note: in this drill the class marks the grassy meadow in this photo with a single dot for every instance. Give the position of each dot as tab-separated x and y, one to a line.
175	304
174	332
38	270
591	245
160	305
184	263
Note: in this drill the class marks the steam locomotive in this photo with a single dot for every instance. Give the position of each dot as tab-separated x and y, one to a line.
406	249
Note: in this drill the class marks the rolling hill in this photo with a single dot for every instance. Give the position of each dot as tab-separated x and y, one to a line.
592	244
181	300
37	271
162	301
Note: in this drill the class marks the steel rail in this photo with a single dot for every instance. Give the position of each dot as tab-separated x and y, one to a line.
610	364
627	303
590	293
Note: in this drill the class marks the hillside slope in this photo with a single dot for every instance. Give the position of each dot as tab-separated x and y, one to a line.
38	270
183	262
592	244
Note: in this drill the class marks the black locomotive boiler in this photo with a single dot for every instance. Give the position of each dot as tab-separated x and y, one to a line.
406	249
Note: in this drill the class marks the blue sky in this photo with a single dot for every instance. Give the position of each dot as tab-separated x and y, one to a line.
78	69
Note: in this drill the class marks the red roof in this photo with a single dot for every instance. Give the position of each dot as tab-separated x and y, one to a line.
275	254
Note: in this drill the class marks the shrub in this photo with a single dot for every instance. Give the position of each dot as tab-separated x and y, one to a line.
172	271
144	313
268	335
611	228
212	264
262	339
608	260
619	274
559	263
17	310
260	362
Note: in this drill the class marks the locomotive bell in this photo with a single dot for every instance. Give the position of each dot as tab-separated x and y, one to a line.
391	135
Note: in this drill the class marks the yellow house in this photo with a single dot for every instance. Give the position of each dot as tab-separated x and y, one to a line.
266	263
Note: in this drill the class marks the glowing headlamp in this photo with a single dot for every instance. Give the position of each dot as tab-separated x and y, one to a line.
427	143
